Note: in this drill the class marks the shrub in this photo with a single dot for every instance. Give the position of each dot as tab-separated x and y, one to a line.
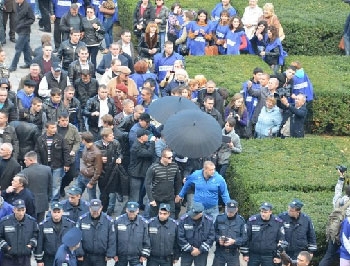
278	171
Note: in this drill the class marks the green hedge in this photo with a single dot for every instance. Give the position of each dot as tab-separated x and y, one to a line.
312	27
277	171
329	75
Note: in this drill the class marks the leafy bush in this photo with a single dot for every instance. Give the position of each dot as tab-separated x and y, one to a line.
278	171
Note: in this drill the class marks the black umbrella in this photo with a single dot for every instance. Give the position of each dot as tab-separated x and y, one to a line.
166	106
193	133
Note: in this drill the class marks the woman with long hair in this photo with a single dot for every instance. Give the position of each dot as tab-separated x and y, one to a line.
237	110
199	34
149	44
236	39
273	54
259	39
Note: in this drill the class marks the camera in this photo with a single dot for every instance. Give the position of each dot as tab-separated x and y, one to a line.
282	245
283	92
342	168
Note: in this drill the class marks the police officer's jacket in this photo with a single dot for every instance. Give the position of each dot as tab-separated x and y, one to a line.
98	236
263	236
300	233
18	234
132	236
73	213
234	228
50	237
163	237
199	234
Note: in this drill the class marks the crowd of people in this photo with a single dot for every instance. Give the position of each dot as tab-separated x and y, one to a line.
66	126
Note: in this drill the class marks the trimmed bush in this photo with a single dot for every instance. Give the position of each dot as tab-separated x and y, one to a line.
278	171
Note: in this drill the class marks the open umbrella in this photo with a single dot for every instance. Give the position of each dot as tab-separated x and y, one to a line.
192	133
165	107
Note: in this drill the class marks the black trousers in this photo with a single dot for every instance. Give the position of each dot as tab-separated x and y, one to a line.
57	35
10	16
44	7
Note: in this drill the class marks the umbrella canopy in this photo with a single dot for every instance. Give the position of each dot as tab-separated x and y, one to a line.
193	133
165	107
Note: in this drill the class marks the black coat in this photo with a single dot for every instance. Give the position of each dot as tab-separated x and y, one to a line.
40	183
59	153
141	157
297	120
12	168
24	18
92	105
85	91
26	195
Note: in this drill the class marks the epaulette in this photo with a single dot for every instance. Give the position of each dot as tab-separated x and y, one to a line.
241	217
143	219
120	216
183	217
83	216
68	220
208	217
109	218
44	221
30	217
252	218
152	219
278	219
85	202
174	221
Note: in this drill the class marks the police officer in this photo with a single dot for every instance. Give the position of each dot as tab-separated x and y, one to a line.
162	232
51	232
65	255
74	206
98	243
196	236
230	234
133	243
18	236
265	231
299	230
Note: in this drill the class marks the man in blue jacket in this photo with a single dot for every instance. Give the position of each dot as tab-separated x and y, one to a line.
208	185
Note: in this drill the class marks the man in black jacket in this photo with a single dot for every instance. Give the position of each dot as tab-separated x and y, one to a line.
53	150
85	87
96	107
72	20
141	157
24	19
68	50
75	68
8	165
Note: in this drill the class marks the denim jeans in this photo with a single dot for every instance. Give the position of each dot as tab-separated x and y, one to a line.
347	44
2	30
136	185
22	45
82	181
213	212
108	25
57	175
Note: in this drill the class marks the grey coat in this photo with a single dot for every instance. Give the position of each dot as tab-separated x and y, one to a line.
40	183
225	151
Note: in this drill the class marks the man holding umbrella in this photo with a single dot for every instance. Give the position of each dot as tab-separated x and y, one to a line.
208	185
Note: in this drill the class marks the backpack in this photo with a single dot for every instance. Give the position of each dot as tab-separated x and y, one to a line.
335	219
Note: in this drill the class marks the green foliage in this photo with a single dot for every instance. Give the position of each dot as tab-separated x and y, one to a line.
278	171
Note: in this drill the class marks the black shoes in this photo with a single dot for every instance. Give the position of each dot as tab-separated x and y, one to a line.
24	66
13	40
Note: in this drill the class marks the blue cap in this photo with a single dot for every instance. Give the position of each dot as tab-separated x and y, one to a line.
232	205
266	206
19	204
296	203
164	206
72	237
95	204
75	191
196	209
56	205
132	206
